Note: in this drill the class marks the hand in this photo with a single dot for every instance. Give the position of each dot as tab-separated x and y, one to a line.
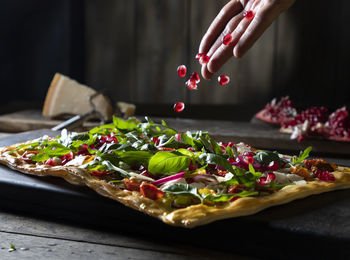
245	32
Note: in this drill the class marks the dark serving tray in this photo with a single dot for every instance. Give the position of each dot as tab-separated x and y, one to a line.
315	226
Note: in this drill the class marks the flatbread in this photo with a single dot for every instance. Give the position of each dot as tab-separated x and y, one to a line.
190	216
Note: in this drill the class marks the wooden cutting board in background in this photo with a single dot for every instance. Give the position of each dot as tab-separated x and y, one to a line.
257	135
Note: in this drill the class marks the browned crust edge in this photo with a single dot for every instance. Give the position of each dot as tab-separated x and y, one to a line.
188	217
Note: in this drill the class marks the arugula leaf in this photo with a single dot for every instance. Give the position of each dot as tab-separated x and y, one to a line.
228	197
109	166
302	156
207	145
255	173
168	162
189	140
183	189
53	150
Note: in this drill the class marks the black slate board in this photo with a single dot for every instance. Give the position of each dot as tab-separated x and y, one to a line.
317	226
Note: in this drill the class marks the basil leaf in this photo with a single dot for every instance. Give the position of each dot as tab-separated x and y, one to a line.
103	129
135	157
130	124
183	189
168	162
212	158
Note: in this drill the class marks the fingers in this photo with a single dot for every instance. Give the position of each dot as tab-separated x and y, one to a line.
225	52
262	20
219	53
217	26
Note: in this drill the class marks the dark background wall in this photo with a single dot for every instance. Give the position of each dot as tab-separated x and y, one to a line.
133	47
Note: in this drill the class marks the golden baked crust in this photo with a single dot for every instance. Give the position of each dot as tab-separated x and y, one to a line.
187	217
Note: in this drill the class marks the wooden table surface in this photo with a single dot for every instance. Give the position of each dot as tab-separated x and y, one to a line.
48	239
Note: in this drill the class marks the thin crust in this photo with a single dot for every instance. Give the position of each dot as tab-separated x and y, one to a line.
191	216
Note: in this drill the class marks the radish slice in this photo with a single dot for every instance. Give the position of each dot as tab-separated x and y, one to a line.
170	178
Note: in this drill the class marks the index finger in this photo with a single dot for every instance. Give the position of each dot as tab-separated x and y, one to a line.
217	26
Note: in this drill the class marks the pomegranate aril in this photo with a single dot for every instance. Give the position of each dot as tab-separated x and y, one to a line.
50	162
199	55
223	80
195	77
273	166
249	15
181	71
179	106
204	59
191	84
227	39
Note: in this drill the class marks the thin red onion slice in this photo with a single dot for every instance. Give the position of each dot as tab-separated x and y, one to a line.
169	178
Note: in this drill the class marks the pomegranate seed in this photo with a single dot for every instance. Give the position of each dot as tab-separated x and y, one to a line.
191	85
199	55
181	71
204	59
179	106
249	159
231	160
50	162
234	199
227	39
273	166
270	177
195	77
178	137
223	80
155	140
249	15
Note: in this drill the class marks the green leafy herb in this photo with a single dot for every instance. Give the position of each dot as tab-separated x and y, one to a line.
212	158
265	157
168	162
228	197
183	189
12	248
302	156
54	149
252	171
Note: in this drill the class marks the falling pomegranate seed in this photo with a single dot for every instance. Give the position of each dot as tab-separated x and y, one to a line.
179	106
204	59
191	84
227	39
223	80
181	71
199	55
249	15
195	77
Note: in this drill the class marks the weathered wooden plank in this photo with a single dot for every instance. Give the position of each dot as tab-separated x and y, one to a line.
313	61
110	53
20	225
34	247
160	47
